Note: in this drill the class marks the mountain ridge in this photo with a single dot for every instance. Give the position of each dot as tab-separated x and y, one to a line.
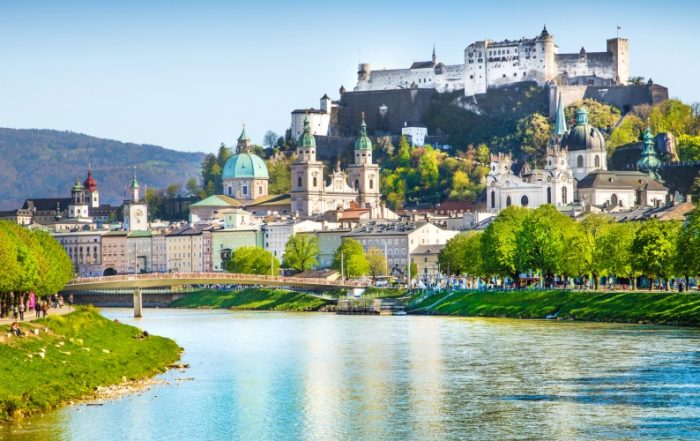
43	163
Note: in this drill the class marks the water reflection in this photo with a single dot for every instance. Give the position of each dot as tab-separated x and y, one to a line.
325	377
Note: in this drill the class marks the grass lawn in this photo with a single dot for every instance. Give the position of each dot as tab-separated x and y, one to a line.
81	350
616	306
251	299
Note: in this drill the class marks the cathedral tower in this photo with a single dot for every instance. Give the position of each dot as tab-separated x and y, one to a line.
364	175
135	210
307	176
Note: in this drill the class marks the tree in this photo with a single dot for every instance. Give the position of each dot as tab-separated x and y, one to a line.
615	250
428	168
403	156
253	260
350	258
270	139
688	147
376	262
534	132
600	115
687	246
673	116
626	133
498	242
300	252
654	249
280	176
451	257
173	190
541	242
593	228
193	188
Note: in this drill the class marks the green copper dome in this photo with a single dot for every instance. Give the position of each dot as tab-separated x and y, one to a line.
244	135
245	165
363	142
307	138
583	136
649	163
77	187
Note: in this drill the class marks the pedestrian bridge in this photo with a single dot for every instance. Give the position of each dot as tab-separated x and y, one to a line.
137	282
161	280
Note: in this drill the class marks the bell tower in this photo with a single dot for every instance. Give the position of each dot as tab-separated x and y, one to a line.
364	175
307	176
135	210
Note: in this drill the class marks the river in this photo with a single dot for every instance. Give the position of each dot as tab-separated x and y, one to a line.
315	376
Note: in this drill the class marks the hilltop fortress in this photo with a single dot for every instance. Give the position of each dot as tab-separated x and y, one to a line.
491	63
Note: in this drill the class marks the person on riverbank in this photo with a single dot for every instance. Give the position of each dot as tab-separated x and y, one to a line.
14	329
37	309
15	312
21	311
60	301
44	307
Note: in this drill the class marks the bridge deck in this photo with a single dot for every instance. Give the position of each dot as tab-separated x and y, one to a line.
157	280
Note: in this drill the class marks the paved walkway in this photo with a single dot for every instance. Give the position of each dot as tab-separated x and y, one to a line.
31	315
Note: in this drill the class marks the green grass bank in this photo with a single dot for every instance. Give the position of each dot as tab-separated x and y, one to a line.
256	299
80	351
668	308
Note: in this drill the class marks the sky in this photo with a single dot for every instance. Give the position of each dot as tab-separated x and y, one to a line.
187	75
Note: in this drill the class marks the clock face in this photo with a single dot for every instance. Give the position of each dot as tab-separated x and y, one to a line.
138	212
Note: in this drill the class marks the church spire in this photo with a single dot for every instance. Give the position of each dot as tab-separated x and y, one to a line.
560	122
363	142
649	163
307	138
434	57
243	142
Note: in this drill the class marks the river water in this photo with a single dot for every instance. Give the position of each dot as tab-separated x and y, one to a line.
284	376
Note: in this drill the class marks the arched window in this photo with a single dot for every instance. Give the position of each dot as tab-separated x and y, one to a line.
508	201
524	201
230	191
260	190
493	199
357	185
614	200
549	195
579	161
299	182
371	184
596	161
563	195
315	181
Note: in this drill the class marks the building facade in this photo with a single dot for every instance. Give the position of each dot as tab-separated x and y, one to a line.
245	175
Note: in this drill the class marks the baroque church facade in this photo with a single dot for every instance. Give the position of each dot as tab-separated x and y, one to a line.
576	171
358	187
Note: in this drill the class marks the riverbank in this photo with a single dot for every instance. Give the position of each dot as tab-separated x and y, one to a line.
71	357
668	308
254	299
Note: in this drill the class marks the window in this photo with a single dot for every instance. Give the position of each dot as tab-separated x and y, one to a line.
563	195
524	201
299	182
579	161
597	161
244	190
315	181
549	195
493	199
260	190
371	184
508	201
614	200
357	185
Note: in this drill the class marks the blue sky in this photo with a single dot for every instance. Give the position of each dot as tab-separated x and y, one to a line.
186	75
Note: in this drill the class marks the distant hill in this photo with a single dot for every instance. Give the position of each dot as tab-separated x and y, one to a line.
46	163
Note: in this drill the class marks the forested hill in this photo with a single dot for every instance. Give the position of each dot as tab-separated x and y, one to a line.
46	163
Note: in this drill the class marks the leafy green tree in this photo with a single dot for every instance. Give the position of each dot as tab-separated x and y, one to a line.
376	262
173	190
350	257
414	270
193	188
280	176
428	168
451	258
10	264
627	133
654	249
59	266
687	246
614	250
600	115
673	116
534	132
252	260
403	156
594	227
688	147
483	154
540	242
301	251
498	242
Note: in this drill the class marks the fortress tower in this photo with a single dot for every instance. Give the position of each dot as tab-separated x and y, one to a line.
619	48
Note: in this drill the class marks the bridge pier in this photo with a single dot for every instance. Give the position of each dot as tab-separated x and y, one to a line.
138	303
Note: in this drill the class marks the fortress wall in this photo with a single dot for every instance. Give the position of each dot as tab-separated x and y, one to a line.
598	64
622	97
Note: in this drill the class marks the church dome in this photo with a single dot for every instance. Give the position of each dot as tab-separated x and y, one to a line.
245	165
90	184
583	136
363	142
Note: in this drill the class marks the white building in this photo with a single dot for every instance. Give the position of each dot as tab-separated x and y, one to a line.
415	133
84	248
319	119
276	234
489	64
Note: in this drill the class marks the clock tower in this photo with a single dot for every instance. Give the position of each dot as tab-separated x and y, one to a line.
135	210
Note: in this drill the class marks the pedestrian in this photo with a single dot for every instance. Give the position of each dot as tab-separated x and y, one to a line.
21	311
60	301
44	307
15	312
70	299
37	308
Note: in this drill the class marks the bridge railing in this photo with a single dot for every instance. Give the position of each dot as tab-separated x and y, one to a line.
204	277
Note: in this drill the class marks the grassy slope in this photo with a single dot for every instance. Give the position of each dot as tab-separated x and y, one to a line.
663	307
76	367
254	299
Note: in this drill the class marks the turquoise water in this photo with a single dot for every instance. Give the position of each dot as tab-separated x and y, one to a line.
279	376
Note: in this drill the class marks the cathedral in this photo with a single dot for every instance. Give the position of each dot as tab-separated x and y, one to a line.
576	171
358	187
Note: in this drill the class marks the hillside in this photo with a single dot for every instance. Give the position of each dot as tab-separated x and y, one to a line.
46	163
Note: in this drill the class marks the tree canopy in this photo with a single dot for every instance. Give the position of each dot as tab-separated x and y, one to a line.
253	260
301	251
350	257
